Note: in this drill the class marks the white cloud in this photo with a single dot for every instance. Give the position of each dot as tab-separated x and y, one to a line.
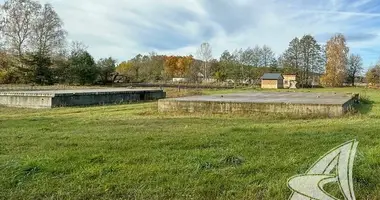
124	28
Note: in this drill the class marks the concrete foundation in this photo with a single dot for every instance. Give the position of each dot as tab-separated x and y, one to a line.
329	104
62	98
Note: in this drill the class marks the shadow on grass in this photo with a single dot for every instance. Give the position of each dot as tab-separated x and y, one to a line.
365	105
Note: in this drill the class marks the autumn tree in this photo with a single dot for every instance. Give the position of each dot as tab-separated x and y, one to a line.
178	66
187	62
336	63
124	69
373	75
355	67
170	64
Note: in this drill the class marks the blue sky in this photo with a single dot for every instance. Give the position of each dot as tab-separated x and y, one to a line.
124	28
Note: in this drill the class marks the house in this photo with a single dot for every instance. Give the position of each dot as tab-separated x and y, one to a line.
272	81
289	80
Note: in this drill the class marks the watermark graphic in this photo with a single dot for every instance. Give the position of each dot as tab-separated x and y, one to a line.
334	166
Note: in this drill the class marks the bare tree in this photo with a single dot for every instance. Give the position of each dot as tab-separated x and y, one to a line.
355	67
267	56
205	54
77	47
48	33
256	56
18	19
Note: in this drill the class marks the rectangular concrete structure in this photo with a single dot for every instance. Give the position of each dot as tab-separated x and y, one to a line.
329	104
85	97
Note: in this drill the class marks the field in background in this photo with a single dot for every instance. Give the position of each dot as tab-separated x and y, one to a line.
133	152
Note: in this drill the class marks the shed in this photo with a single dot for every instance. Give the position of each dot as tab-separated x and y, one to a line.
289	80
272	81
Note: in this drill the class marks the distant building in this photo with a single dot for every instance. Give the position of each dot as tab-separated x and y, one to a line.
180	80
272	81
289	79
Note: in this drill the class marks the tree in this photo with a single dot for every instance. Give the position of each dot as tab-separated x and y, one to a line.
242	58
39	71
18	20
194	70
153	68
48	34
355	67
78	47
373	75
106	68
336	63
205	54
8	74
61	67
267	56
83	69
292	56
124	69
311	56
178	66
256	57
229	65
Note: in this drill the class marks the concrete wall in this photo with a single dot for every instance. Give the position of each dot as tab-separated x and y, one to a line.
248	108
36	100
83	99
26	101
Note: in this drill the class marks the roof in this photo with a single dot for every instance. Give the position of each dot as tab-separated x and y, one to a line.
272	76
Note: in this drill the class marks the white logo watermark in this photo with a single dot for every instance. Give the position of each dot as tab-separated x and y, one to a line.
309	186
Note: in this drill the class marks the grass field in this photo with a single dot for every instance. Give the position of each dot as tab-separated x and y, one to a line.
133	152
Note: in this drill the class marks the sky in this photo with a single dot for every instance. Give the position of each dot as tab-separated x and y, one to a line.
125	28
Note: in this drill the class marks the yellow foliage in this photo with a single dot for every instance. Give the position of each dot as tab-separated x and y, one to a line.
124	68
336	65
178	66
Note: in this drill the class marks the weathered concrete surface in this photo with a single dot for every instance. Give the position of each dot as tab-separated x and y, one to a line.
282	102
60	98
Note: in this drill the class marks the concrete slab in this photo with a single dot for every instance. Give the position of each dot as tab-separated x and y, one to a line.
274	97
333	104
60	98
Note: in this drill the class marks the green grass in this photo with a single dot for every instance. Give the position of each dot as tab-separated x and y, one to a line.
133	152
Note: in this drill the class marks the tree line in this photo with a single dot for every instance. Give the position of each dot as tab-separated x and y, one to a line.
305	57
34	49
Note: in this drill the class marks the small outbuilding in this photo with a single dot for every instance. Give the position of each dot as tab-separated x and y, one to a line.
272	81
290	80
